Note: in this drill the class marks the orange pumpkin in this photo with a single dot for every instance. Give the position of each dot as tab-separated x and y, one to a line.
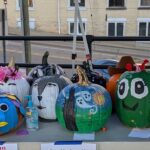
111	86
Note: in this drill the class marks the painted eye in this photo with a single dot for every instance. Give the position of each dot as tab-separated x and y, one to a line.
3	107
123	89
51	84
138	88
11	83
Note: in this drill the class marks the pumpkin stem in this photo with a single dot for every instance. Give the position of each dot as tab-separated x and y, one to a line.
45	58
12	62
83	80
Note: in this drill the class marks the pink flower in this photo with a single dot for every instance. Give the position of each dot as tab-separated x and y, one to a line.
13	73
3	73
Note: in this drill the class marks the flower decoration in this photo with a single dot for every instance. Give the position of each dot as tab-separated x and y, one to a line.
9	73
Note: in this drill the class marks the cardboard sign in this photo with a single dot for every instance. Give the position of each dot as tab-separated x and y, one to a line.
9	147
69	146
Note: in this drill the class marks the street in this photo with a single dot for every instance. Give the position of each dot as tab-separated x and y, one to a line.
60	52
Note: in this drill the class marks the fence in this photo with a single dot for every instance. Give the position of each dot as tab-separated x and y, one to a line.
90	40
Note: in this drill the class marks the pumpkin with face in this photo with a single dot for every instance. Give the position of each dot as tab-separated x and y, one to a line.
45	69
11	113
44	94
12	81
83	107
133	99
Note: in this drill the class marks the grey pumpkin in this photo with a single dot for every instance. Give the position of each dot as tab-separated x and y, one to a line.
45	91
45	69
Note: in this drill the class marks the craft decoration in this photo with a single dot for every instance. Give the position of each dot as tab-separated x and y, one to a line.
83	107
115	73
12	81
11	113
105	62
132	97
45	69
93	76
44	94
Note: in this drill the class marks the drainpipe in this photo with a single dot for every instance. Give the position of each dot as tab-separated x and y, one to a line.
58	15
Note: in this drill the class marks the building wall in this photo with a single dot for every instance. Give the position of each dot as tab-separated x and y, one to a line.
96	12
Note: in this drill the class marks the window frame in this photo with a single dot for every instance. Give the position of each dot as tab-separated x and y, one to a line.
30	8
108	6
30	20
142	6
143	20
116	21
73	7
71	20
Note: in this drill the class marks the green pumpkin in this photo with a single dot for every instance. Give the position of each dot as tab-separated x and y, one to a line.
133	99
83	107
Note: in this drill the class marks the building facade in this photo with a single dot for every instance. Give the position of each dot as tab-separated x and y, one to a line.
100	17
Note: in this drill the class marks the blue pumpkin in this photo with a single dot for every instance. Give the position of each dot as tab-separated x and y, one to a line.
11	113
83	107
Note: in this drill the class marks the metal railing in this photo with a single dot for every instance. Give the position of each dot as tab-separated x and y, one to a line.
90	40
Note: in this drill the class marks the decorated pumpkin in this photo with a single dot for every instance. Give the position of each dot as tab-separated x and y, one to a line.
115	73
93	76
83	107
12	81
11	113
112	84
45	69
133	98
44	94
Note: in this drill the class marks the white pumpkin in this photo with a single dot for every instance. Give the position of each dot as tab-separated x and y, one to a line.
12	81
45	91
19	87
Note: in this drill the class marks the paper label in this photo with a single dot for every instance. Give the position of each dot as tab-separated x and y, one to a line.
9	147
84	146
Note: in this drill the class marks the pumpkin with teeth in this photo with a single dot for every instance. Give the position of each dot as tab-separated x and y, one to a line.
45	69
132	98
44	94
11	113
83	107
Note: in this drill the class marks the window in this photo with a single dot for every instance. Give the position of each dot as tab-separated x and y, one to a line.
144	28
145	3
30	4
31	23
116	27
71	26
116	3
81	3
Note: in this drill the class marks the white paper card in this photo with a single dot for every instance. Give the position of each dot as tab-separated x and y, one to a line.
140	133
12	146
84	136
84	146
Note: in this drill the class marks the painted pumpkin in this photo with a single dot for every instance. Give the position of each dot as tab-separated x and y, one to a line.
93	76
44	94
45	69
132	98
11	113
111	86
83	107
12	81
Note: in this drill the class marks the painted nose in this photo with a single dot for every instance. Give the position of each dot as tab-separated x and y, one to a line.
39	98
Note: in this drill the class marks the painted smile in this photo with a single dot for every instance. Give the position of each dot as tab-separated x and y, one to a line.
130	108
41	107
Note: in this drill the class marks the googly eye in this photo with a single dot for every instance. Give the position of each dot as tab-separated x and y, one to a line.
123	88
4	107
138	88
